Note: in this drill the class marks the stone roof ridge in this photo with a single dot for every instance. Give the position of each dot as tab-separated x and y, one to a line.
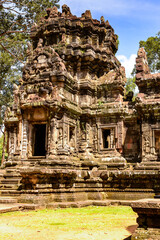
146	81
66	13
114	75
142	67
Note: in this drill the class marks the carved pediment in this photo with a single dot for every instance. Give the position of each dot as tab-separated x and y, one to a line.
43	63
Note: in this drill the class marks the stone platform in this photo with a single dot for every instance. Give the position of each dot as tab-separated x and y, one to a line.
72	133
9	204
148	211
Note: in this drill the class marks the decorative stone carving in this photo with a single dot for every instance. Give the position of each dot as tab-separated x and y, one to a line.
70	124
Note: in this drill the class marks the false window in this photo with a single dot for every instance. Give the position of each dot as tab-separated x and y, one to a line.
157	141
71	133
108	138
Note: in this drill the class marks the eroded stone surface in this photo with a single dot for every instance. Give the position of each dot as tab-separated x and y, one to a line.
71	132
148	211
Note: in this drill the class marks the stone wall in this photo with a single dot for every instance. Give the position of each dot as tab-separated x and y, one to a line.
70	115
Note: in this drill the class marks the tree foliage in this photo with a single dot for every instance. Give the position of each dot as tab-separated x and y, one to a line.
152	48
130	85
1	148
16	18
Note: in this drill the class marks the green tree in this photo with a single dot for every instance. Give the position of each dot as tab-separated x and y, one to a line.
130	85
16	18
152	48
1	148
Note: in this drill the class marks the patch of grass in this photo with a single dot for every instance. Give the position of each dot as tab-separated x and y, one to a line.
89	219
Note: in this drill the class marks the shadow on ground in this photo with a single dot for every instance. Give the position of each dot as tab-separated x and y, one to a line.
131	229
128	238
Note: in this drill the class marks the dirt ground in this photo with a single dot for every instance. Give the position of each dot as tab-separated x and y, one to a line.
65	226
28	234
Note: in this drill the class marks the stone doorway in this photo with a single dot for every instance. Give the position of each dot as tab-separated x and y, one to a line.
39	140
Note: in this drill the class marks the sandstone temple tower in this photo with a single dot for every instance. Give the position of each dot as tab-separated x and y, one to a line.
71	133
70	101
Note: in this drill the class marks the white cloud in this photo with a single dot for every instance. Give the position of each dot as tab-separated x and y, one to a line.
128	63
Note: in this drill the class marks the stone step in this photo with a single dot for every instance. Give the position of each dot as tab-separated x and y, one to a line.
7	200
86	203
69	204
11	170
9	192
4	208
115	163
9	181
29	206
153	165
9	186
2	171
12	175
29	162
33	160
150	163
8	208
147	168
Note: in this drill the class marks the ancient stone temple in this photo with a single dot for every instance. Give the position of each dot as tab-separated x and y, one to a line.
71	133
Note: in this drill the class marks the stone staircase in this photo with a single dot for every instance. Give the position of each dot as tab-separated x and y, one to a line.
151	165
9	182
31	162
110	161
9	185
10	177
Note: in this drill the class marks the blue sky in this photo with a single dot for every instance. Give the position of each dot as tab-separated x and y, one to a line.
132	20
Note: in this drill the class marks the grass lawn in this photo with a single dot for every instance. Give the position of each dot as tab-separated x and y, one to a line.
89	223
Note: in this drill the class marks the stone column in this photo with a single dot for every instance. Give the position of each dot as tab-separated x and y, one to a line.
60	138
112	138
24	138
146	141
65	135
4	147
99	135
53	138
120	135
11	143
95	142
89	136
19	134
30	141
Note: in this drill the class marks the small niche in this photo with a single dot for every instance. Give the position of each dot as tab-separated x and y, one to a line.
101	39
54	39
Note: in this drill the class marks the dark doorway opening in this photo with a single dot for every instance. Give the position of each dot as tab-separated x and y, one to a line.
106	138
39	146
